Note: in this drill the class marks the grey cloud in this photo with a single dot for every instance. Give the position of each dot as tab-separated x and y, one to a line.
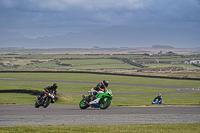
63	5
198	1
95	13
67	11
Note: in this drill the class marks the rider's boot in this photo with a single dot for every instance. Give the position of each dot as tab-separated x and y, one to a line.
56	98
53	100
88	98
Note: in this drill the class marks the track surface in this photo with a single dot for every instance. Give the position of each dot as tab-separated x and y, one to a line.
11	115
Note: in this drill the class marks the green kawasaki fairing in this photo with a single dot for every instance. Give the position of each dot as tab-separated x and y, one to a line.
104	102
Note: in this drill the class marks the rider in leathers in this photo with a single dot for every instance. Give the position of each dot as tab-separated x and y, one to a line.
159	99
100	88
53	88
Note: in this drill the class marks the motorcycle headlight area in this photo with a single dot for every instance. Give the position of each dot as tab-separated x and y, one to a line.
51	95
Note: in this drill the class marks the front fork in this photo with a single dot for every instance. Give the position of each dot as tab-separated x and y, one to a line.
41	100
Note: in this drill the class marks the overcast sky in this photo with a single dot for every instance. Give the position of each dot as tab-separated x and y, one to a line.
35	18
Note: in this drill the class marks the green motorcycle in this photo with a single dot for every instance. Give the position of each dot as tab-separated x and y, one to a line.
102	100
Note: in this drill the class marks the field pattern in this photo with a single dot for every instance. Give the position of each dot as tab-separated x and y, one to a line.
140	64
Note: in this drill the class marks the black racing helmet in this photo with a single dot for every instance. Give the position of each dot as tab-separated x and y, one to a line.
55	85
105	83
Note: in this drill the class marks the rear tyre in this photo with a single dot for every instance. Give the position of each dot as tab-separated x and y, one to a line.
83	105
104	103
47	102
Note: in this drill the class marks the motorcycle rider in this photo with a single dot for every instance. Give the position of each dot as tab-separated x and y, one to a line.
53	88
159	99
100	88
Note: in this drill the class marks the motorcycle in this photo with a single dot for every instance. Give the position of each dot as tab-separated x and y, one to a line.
157	102
45	100
102	100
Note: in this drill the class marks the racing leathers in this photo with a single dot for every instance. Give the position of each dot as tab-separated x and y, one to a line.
50	88
159	98
100	88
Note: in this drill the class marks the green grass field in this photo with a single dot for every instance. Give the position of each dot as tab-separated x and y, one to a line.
118	99
99	77
87	62
185	66
133	128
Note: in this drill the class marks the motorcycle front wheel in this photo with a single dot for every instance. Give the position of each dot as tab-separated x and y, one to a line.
83	105
104	103
37	105
47	102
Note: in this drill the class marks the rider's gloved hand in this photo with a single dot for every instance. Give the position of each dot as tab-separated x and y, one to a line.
94	93
98	88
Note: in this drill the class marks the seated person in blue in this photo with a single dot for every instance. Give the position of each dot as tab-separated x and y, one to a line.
158	99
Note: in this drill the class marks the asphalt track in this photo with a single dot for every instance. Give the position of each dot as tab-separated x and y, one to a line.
11	115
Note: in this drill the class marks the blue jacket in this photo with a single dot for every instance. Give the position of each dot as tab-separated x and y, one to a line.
158	97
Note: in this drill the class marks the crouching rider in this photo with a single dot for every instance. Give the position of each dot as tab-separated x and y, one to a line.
100	88
53	88
158	99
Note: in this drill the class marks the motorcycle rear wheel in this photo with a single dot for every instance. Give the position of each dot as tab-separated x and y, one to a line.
83	105
104	103
47	102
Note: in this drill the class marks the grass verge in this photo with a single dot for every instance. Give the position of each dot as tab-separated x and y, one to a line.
100	77
134	128
118	99
74	98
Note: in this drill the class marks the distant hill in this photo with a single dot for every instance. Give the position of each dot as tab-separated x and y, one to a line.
7	35
163	47
116	36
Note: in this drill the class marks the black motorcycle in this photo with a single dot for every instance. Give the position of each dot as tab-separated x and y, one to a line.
46	99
